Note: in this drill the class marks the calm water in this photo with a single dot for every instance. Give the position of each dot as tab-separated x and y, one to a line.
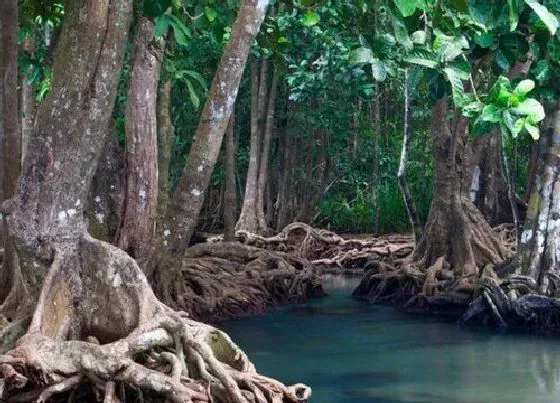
349	351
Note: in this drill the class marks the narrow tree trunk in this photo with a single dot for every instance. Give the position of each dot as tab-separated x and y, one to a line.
187	200
27	101
248	220
401	175
538	249
11	158
375	114
265	155
165	138
230	194
138	221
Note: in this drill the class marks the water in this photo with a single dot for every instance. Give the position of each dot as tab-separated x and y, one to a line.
349	351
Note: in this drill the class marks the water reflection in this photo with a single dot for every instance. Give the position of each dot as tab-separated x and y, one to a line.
354	352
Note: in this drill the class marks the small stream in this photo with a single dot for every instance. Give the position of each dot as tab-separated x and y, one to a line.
349	351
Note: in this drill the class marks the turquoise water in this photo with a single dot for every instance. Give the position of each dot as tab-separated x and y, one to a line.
349	351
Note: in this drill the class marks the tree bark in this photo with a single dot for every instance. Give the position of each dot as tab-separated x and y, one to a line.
11	158
538	249
165	138
230	194
27	101
248	220
139	217
187	200
107	191
375	117
265	155
401	175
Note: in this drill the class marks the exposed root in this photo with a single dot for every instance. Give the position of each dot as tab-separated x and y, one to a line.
328	251
224	280
147	350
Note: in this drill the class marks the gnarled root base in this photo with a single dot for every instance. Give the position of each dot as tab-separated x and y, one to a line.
328	251
225	280
99	332
513	303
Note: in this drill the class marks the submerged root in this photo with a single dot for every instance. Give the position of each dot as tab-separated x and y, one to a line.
99	333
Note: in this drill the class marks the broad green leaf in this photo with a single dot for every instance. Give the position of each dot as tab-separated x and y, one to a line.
530	107
422	58
361	56
524	87
401	31
378	70
454	76
210	13
533	131
162	24
484	39
491	113
546	16
408	7
472	109
418	37
198	77
542	71
310	19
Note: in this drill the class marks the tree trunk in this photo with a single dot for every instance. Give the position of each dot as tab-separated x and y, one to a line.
455	230
265	155
27	101
538	251
187	200
375	117
107	191
401	175
11	158
248	220
230	194
165	138
139	217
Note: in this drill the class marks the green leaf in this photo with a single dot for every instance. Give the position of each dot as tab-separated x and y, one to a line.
542	71
422	58
472	109
546	16
533	131
491	113
454	76
310	19
508	121
192	94
210	13
198	77
530	107
524	87
517	127
378	70
408	7
401	31
513	8
484	39
361	56
418	37
162	24
154	8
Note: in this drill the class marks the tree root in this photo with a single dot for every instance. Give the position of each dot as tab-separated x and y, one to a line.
225	280
110	332
328	251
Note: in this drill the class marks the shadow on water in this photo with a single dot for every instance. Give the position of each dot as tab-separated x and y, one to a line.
349	351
